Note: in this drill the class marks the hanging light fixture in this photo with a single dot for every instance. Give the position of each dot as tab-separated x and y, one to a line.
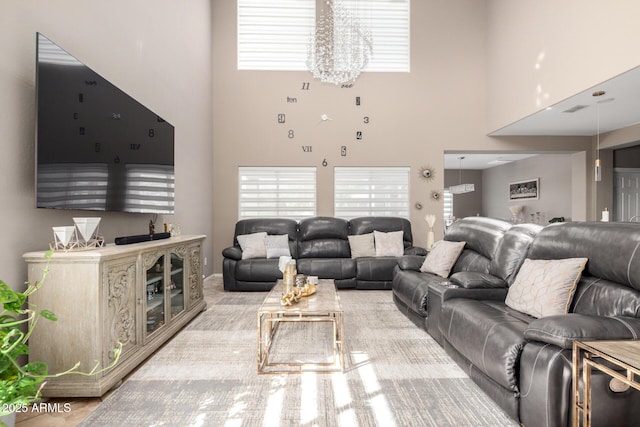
340	46
598	165
461	188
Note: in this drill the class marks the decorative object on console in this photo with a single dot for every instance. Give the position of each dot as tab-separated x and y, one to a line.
431	220
461	188
83	234
605	215
516	213
340	47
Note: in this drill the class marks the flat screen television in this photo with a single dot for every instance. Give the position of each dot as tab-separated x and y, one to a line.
97	148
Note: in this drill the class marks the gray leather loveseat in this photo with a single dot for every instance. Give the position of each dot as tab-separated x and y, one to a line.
322	246
523	362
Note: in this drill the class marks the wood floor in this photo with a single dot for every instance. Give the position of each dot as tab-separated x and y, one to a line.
58	412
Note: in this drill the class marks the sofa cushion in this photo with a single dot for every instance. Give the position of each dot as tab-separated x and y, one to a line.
488	334
258	270
323	237
545	287
388	244
253	245
328	268
442	257
379	268
277	246
362	245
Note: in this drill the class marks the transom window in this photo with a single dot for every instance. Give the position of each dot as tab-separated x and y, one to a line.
275	34
371	191
282	192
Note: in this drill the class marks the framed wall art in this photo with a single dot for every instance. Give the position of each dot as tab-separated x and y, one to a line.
524	190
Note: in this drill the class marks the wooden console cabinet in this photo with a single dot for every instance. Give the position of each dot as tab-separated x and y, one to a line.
139	295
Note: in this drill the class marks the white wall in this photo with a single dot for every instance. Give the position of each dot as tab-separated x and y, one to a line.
159	52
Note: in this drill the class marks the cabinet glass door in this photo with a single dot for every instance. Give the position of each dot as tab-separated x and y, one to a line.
177	285
155	296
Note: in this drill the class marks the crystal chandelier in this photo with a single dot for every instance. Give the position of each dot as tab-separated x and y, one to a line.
340	46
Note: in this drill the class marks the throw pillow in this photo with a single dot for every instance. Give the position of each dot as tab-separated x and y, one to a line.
277	245
389	244
442	258
545	287
252	245
362	245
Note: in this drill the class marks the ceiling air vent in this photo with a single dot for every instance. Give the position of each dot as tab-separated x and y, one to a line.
575	108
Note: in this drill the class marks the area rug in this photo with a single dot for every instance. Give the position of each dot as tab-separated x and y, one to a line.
395	375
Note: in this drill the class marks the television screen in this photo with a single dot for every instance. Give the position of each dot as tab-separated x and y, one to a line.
97	148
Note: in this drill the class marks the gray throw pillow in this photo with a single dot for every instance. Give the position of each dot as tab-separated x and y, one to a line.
442	258
252	245
277	245
362	245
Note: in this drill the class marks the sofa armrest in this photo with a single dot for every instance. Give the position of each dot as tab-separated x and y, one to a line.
233	252
562	330
410	262
476	280
492	294
415	250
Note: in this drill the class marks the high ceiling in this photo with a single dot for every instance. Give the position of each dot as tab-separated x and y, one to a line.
580	115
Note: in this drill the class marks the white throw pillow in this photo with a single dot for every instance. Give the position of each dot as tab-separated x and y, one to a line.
389	244
442	258
277	245
362	245
545	287
252	245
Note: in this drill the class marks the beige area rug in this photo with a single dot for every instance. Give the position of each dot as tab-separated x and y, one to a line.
395	375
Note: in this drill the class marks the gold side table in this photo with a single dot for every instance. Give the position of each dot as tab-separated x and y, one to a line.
588	355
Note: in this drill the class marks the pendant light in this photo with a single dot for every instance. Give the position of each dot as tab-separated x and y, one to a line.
598	165
461	188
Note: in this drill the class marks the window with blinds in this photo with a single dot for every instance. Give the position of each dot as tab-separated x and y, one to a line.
73	186
371	191
275	34
447	197
150	188
283	192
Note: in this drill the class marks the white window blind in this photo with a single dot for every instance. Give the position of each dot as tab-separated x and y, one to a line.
283	192
371	191
73	185
388	21
150	188
275	34
448	207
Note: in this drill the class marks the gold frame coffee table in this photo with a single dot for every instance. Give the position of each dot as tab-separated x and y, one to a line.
323	306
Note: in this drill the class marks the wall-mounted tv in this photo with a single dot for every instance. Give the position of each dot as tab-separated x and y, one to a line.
97	148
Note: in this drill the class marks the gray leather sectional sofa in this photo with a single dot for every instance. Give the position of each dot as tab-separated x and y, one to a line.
321	248
523	362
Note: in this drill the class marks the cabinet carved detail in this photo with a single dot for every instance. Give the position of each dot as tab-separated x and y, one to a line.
121	281
195	284
181	251
150	258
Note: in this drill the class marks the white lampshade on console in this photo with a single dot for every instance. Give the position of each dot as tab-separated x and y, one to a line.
87	227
